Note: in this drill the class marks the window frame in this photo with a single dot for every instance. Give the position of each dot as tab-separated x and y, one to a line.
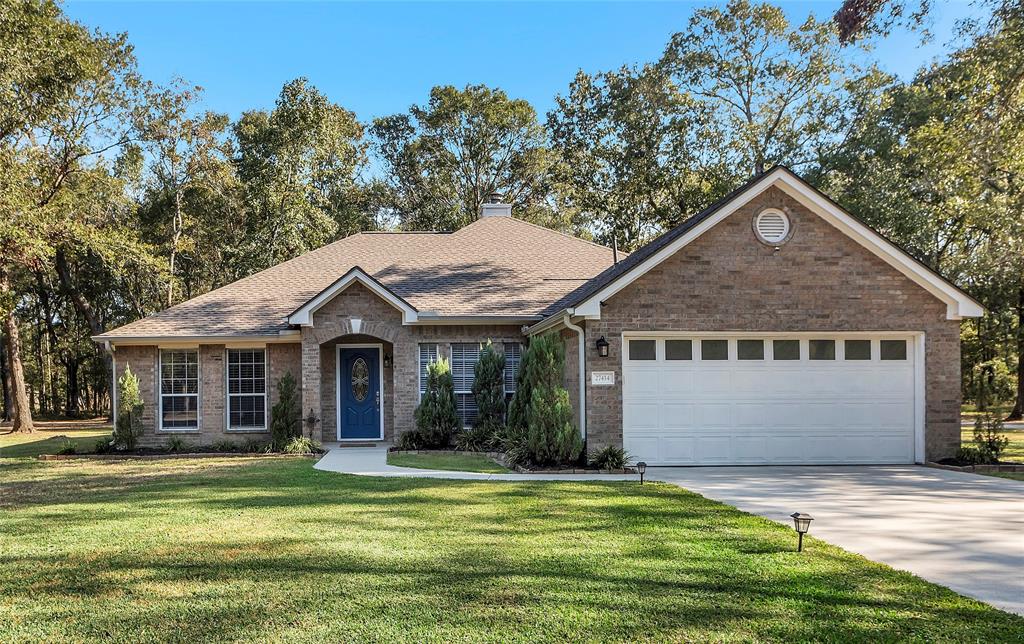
228	427
160	391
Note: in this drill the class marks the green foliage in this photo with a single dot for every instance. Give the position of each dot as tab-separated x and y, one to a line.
518	407
286	414
442	160
970	455
611	457
255	446
129	411
551	434
225	445
481	437
489	388
176	444
301	445
989	436
67	446
437	417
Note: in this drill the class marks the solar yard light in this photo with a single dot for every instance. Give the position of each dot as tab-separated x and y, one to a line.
801	523
641	467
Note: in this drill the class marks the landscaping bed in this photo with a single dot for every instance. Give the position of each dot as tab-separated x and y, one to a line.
500	459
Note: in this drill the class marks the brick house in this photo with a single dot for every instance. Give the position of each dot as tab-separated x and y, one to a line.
773	327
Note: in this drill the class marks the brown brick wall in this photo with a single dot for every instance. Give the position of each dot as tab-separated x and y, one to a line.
820	280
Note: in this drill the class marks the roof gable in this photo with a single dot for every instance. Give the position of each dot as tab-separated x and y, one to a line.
303	316
586	301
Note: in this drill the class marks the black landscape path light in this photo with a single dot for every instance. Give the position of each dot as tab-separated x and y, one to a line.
641	467
801	523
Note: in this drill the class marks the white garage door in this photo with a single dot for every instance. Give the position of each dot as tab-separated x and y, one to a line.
720	400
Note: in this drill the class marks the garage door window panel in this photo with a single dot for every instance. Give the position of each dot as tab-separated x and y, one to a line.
785	349
678	349
822	349
893	349
643	349
857	349
714	349
750	349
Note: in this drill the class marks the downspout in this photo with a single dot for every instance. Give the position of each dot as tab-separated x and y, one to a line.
582	372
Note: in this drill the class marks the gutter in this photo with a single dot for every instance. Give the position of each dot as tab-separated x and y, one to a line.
582	348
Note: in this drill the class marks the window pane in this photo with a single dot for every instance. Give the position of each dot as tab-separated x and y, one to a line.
750	349
246	386
513	357
464	358
465	404
822	349
893	350
786	349
678	349
180	412
714	349
179	388
642	349
428	354
857	349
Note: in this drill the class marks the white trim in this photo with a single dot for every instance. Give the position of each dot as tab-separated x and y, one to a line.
581	342
290	336
304	315
337	389
227	391
160	393
920	398
958	303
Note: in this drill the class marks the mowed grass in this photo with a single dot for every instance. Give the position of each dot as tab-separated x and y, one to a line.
273	550
49	438
1014	451
447	462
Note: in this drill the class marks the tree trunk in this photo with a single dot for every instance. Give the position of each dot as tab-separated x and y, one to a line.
5	380
1018	407
82	305
21	413
71	406
179	224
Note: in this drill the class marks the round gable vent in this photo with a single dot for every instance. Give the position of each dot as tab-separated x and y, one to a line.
772	226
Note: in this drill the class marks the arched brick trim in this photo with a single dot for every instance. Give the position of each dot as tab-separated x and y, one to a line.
337	327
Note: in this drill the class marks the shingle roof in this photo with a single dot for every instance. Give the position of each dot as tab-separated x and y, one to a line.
496	266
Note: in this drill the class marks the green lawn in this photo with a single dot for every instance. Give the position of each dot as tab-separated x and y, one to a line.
273	550
448	462
50	438
1014	451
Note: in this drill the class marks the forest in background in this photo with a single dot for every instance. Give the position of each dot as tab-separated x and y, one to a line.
120	197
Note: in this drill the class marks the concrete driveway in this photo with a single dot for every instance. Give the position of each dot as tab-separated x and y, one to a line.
964	531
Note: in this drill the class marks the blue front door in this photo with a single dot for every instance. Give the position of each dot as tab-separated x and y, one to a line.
359	387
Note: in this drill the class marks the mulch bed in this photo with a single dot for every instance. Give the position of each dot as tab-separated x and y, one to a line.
499	458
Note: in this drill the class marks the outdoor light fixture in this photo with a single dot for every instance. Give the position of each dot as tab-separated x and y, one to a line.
641	467
388	361
602	347
801	523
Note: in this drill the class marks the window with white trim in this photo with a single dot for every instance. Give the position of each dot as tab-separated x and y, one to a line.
179	390
428	354
513	358
464	359
247	389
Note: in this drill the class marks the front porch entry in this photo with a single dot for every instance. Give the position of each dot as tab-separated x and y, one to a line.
360	389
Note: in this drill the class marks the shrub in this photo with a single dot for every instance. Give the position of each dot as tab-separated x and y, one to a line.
67	446
409	441
513	443
224	445
989	439
301	445
129	411
610	458
254	445
969	455
437	418
551	434
481	437
519	406
176	444
103	446
489	388
286	414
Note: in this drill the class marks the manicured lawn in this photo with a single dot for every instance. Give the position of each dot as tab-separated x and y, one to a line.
48	438
1016	476
273	550
448	462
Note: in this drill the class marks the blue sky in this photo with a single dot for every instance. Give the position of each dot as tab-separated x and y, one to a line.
377	59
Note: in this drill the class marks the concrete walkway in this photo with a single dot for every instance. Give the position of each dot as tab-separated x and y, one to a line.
963	531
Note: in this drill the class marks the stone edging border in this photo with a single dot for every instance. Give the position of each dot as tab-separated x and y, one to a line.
161	457
499	458
1000	467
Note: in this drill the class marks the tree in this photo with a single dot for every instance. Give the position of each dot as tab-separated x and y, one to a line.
437	417
639	155
551	434
442	160
857	19
129	411
489	388
776	92
286	414
298	166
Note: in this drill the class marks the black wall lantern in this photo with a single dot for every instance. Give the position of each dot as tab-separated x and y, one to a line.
389	361
602	347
